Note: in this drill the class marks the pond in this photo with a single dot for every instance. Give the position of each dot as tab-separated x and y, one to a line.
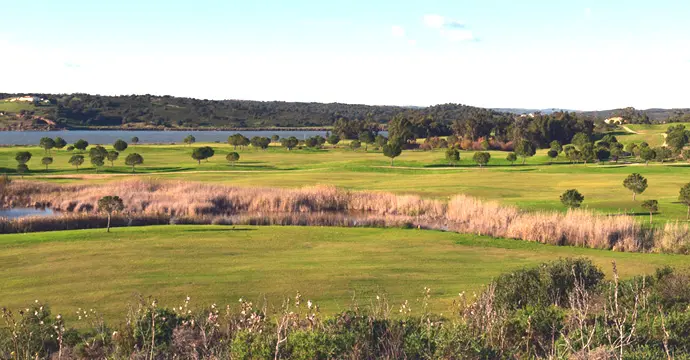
14	213
145	136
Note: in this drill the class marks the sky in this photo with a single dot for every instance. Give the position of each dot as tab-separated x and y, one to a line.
579	55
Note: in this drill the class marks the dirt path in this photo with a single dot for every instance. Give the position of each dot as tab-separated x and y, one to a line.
627	129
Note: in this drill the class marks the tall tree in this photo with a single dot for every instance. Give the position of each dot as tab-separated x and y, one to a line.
233	157
652	206
81	144
47	144
189	140
481	158
684	197
134	140
572	199
76	161
120	145
392	150
635	183
47	160
112	156
110	205
452	155
133	160
60	143
525	149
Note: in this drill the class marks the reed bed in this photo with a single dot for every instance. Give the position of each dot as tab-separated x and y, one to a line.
150	202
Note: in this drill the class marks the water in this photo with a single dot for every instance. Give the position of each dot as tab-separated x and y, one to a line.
145	137
15	213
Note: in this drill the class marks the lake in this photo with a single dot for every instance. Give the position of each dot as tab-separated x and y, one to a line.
14	213
145	136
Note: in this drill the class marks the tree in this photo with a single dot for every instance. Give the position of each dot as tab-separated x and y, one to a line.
120	145
572	199
110	205
112	156
616	151
400	129
452	155
47	143
81	144
133	160
587	152
652	206
662	153
366	137
631	148
481	158
98	151
47	160
97	162
70	148
203	153
511	157
260	142
392	150
22	157
635	183
134	140
60	143
580	139
76	160
553	154
275	138
189	140
686	155
525	149
684	197
574	155
556	145
289	143
647	154
355	144
380	140
238	140
603	154
311	142
233	157
333	139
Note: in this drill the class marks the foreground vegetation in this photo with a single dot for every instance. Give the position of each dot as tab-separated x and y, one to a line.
560	309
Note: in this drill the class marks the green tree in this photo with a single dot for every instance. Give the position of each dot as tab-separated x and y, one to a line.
275	138
134	140
400	130
647	154
511	157
553	154
355	144
260	142
452	155
76	161
684	197
631	148
238	140
60	143
485	145
47	160
203	153
635	183
574	155
572	199
662	154
47	144
392	150
22	169
580	139
289	143
556	145
587	152
380	140
81	144
366	138
616	151
525	149
110	205
133	160
112	157
651	206
189	140
481	158
22	157
70	148
333	139
233	157
686	155
120	145
97	162
98	151
603	154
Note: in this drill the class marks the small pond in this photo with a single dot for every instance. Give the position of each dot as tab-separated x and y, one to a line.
14	213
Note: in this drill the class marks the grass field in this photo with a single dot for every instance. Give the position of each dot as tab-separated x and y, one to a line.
534	186
90	268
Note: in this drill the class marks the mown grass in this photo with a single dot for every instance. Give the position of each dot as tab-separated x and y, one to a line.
91	268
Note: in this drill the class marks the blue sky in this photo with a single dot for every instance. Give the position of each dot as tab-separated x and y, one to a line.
493	53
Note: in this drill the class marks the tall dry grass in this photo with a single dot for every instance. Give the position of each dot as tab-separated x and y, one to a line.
180	202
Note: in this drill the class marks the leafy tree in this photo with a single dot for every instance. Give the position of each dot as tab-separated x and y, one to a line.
574	155
588	153
76	161
400	130
98	151
260	142
189	140
603	154
112	156
22	169
97	162
481	158
70	148
311	142
60	143
635	183
120	145
572	199
133	160
47	144
22	157
452	155
580	139
556	145
662	153
366	138
525	149
677	137
616	151
275	138
355	144
485	145
238	140
333	139
233	157
652	206
380	140
47	160
684	196
110	205
631	148
553	154
647	154
134	140
392	150
511	157
81	144
289	143
686	155
202	153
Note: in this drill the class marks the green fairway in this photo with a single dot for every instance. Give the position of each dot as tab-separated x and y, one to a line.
91	268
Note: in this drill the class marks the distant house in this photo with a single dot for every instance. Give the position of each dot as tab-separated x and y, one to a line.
615	120
26	99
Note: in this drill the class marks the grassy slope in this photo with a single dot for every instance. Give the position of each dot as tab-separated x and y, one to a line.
534	186
91	268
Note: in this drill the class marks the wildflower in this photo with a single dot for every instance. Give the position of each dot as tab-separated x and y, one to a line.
309	304
59	317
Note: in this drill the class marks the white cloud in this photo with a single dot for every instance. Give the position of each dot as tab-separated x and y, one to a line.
397	31
434	21
458	35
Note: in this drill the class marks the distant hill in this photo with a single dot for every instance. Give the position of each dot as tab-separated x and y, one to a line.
520	111
648	116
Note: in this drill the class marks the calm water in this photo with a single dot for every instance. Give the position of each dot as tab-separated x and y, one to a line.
145	137
14	213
